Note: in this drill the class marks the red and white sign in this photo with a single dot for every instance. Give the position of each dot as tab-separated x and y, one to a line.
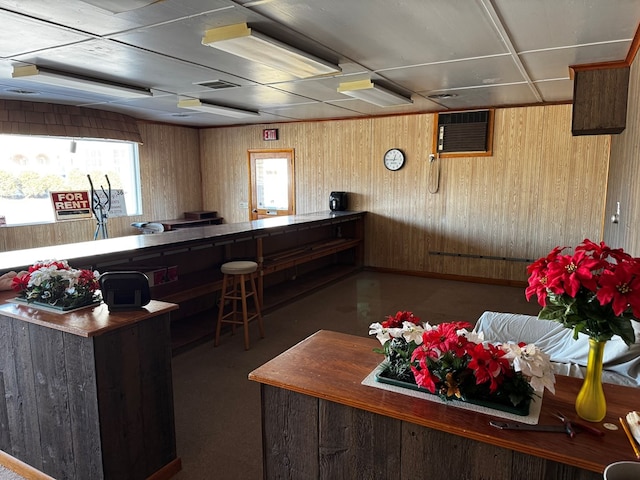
270	134
71	205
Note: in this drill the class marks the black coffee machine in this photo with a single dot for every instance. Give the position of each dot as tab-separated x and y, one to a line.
338	201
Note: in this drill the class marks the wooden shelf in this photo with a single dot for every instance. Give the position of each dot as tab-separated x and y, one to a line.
306	253
283	293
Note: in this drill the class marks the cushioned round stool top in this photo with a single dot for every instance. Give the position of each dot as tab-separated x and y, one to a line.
238	268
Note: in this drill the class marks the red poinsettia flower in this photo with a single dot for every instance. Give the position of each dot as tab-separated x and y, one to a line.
88	279
423	375
445	337
538	279
20	282
488	364
621	288
602	251
400	317
569	273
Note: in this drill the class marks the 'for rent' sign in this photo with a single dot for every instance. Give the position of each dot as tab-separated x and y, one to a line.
71	205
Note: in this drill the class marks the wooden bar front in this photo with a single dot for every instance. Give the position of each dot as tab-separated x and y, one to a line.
319	421
88	394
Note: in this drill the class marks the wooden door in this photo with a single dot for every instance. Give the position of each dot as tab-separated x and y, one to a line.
271	183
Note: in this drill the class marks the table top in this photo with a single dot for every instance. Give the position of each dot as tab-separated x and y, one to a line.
86	322
331	366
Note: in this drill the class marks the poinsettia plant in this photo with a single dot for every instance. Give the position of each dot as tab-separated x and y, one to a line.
55	283
452	361
595	291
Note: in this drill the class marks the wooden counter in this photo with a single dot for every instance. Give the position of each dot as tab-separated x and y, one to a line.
87	394
101	252
320	422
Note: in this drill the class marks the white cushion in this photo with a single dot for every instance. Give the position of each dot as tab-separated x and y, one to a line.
239	267
557	341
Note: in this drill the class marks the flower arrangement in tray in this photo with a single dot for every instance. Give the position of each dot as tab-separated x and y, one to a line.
453	362
54	283
595	291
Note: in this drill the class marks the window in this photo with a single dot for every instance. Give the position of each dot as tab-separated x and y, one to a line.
31	167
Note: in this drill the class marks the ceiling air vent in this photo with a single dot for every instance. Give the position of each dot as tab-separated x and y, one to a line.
217	84
465	132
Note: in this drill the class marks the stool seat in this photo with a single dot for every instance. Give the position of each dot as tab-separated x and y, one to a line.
239	267
236	276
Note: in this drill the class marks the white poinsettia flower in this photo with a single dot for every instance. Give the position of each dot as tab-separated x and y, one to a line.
381	333
412	332
40	276
475	337
533	363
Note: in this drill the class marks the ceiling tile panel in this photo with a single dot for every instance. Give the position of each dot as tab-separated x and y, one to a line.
539	24
489	53
379	34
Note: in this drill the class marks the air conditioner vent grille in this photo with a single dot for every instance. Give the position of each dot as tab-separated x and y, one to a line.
462	132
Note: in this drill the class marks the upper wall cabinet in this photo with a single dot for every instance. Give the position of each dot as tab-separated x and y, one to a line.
599	100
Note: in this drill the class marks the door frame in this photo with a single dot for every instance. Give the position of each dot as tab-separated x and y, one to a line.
253	154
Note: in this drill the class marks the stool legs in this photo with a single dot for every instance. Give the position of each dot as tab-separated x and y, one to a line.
234	288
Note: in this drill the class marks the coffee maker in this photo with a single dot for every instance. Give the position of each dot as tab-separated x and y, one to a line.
338	201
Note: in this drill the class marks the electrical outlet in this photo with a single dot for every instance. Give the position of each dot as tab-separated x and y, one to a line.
244	204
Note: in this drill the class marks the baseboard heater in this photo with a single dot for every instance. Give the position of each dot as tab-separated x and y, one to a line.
484	257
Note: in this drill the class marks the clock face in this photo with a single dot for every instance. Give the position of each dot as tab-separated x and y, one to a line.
394	159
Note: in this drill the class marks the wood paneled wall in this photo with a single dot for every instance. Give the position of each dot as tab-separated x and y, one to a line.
624	177
171	184
541	188
484	216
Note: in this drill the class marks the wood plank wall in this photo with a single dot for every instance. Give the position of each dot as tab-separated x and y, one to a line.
541	188
624	176
171	185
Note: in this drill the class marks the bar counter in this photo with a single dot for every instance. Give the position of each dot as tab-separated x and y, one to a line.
96	252
319	421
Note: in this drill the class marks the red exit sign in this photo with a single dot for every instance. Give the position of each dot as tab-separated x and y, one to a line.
270	134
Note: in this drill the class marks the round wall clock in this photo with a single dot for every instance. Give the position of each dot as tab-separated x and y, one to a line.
394	159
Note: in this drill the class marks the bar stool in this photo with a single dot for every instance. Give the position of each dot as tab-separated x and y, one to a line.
234	288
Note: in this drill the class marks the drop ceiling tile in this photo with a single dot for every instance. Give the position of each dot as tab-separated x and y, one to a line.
473	72
541	24
22	34
384	35
481	97
556	90
550	64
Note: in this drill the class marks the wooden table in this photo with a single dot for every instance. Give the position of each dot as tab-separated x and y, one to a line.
87	394
319	421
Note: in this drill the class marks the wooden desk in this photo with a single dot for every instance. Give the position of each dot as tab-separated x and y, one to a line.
320	422
88	394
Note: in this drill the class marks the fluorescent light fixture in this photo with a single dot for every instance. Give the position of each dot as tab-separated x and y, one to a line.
195	104
244	42
79	82
368	91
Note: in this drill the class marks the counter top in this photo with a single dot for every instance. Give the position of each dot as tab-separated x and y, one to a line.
331	366
86	322
95	251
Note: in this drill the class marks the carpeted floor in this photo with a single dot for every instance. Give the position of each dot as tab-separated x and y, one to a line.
217	409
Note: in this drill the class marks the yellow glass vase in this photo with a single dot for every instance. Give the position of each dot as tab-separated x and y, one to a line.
590	402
